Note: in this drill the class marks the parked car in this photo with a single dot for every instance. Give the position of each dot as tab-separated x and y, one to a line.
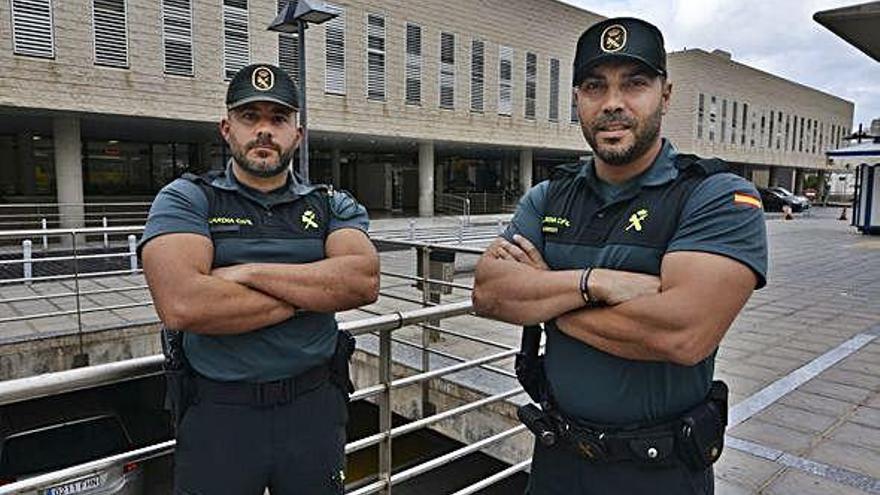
31	449
775	198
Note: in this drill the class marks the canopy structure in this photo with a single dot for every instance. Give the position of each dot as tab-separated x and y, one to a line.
855	155
857	24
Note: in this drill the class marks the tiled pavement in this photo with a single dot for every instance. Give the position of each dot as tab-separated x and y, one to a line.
820	433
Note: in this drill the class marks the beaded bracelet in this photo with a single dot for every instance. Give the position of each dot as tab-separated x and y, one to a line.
584	285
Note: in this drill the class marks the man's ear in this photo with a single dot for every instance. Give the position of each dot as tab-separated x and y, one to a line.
223	126
666	95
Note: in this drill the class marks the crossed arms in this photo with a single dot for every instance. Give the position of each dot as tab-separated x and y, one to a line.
679	317
190	296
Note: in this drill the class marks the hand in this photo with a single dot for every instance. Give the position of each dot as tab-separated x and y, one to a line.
521	251
613	287
232	273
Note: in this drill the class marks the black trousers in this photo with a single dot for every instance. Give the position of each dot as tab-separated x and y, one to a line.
559	471
294	448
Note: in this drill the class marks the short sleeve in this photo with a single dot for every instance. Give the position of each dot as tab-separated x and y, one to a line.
347	213
528	216
724	216
180	208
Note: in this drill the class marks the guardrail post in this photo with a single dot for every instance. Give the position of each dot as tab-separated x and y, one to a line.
467	209
461	231
27	266
106	236
45	226
385	461
132	251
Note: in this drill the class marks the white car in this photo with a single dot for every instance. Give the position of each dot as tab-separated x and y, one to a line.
49	447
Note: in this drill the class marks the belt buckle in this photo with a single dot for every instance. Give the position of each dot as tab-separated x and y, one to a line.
587	442
273	393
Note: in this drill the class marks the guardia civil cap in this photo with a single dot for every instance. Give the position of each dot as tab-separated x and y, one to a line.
624	38
262	82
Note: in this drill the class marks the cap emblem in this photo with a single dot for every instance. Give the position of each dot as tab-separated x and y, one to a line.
262	79
613	39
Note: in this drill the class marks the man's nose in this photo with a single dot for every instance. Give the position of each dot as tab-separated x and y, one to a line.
613	100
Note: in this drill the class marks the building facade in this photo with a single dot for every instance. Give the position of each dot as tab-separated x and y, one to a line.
773	131
412	104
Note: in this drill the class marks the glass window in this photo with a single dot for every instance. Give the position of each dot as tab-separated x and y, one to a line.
447	70
177	41
334	46
478	69
375	57
111	32
413	64
236	40
33	29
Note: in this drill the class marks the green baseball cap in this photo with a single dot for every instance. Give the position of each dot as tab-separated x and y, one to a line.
619	38
262	82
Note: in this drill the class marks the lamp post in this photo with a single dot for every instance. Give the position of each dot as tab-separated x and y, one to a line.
295	18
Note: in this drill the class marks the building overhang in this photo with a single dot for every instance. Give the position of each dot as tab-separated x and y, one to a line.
856	24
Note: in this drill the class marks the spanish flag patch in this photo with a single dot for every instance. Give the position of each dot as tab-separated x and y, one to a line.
746	200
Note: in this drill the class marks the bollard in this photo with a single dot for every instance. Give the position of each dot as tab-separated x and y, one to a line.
786	213
106	236
412	229
461	231
27	255
45	238
842	214
132	251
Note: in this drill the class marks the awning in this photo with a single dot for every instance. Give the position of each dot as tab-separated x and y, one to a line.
859	25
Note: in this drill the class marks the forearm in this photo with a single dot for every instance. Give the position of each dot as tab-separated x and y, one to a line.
210	305
517	293
333	284
660	327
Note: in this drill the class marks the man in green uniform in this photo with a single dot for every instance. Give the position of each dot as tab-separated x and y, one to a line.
250	264
637	261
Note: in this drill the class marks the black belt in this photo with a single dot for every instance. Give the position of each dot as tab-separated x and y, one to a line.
653	444
275	393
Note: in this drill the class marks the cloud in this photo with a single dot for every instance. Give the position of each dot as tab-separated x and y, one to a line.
777	36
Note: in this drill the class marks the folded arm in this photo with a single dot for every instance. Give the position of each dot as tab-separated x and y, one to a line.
187	297
700	296
346	279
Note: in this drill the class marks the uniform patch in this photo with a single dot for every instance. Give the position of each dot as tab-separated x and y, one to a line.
229	221
262	79
637	219
308	220
613	39
747	200
551	225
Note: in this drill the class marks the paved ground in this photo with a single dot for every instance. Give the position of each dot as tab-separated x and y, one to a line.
802	360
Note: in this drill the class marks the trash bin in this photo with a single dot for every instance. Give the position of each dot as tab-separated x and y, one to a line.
866	204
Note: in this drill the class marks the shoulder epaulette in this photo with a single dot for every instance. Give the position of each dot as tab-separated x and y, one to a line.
702	166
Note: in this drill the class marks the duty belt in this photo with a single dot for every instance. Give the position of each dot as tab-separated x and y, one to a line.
265	394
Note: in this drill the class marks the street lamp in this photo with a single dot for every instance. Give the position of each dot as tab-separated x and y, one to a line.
295	18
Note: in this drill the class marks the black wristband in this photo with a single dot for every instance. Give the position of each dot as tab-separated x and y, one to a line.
584	286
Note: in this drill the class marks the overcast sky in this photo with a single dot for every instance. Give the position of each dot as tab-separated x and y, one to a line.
777	36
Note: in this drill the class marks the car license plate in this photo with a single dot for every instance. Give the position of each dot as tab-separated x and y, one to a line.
78	486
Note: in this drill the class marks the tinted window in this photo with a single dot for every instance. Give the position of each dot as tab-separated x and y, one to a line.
62	446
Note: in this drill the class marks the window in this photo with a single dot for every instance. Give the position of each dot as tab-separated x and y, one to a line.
375	57
334	74
236	44
723	120
478	69
801	137
531	84
33	28
177	41
288	48
763	128
778	130
733	124
787	131
712	115
447	70
553	111
413	64
814	140
770	130
700	115
111	32
752	131
505	80
745	123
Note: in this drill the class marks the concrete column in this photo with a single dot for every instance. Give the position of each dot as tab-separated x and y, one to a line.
68	170
24	163
799	181
525	169
426	179
7	167
335	167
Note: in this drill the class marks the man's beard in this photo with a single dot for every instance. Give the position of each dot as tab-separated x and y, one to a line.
644	135
260	168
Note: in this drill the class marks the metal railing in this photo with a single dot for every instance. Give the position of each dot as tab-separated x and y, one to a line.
383	325
454	204
54	215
